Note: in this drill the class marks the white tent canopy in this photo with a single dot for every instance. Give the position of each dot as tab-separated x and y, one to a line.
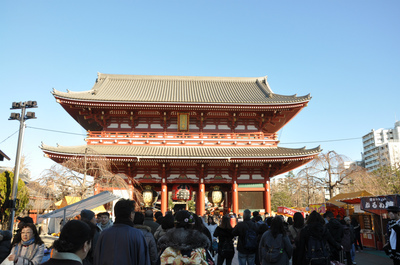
76	208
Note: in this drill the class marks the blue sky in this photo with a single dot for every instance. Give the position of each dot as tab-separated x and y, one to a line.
344	53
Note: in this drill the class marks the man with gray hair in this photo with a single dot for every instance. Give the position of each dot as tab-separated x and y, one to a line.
247	243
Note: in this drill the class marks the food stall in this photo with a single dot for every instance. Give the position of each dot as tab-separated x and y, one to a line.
372	215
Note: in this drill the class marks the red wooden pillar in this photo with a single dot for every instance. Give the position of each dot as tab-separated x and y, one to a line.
164	192
267	196
202	197
235	192
235	197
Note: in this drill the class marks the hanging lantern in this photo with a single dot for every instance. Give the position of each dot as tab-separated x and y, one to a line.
149	196
216	196
182	192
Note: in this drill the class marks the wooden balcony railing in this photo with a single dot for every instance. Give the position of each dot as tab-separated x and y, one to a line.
190	138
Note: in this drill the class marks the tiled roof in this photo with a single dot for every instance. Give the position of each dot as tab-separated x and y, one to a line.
181	89
182	152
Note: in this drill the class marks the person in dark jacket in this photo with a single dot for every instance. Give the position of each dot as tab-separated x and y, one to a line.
315	228
88	217
149	221
347	239
5	244
151	242
73	244
223	232
245	255
121	243
158	216
199	226
262	228
295	230
336	229
357	234
166	224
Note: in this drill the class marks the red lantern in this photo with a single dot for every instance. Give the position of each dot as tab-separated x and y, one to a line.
182	192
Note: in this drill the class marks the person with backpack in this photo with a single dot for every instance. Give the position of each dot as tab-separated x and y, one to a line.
223	232
275	246
295	229
312	247
247	242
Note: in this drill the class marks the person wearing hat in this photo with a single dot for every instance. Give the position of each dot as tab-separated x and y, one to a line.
183	244
88	217
392	248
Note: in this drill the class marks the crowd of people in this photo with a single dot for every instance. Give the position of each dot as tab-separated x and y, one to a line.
185	238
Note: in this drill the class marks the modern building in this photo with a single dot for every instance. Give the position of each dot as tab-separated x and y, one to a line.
203	134
382	148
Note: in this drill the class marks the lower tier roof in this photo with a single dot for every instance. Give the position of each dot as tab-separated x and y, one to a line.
182	152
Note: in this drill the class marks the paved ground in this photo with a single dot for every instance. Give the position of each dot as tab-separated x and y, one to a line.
367	257
372	257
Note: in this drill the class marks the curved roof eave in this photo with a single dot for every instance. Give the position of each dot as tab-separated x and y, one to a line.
296	153
306	100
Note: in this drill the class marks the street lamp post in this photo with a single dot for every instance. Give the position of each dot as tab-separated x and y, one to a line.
22	118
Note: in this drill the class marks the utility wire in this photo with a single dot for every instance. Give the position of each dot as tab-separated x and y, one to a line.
311	142
325	141
9	136
48	130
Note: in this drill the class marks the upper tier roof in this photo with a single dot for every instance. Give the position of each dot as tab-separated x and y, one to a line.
181	89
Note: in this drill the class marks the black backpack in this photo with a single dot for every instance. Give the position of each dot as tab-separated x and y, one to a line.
317	252
250	239
227	249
